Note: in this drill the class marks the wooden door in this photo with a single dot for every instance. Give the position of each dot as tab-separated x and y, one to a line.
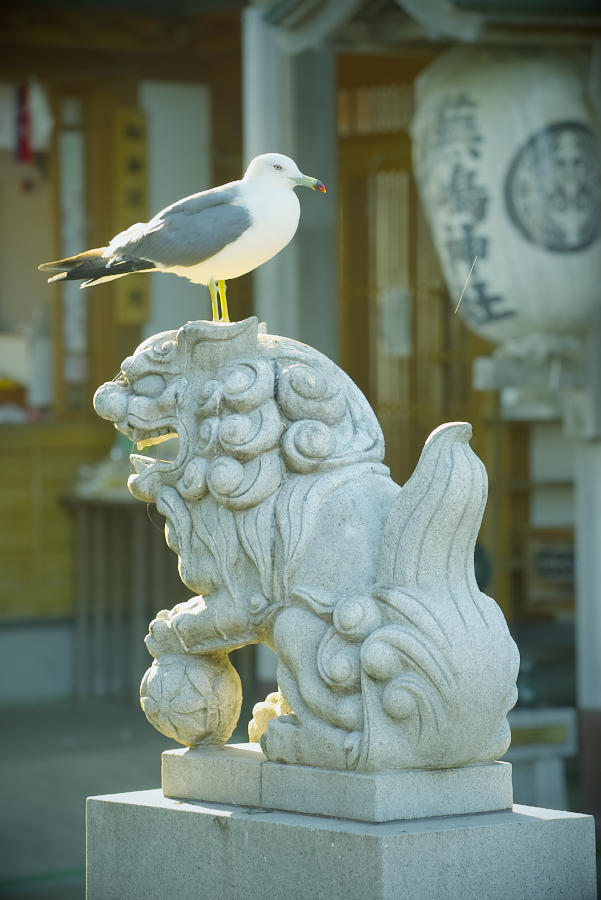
400	338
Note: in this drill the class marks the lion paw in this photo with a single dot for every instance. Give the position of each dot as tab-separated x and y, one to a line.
281	740
274	705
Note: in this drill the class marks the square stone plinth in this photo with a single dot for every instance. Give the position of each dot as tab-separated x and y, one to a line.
144	846
239	774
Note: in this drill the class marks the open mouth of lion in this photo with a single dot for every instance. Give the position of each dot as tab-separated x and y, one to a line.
164	448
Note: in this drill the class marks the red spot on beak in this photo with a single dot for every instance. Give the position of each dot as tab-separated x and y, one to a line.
319	186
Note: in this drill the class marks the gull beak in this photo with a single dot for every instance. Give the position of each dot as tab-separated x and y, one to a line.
314	183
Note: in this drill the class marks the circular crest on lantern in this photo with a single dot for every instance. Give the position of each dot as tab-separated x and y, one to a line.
553	187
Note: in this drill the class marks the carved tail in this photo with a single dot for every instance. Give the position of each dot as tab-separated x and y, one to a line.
439	676
429	538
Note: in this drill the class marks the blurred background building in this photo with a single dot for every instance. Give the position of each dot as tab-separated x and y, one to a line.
446	131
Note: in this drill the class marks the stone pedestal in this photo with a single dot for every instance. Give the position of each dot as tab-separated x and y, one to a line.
239	774
238	826
144	846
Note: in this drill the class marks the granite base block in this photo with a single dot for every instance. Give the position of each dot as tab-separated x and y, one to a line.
240	775
144	846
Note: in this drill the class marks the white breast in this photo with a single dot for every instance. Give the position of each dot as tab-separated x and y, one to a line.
274	215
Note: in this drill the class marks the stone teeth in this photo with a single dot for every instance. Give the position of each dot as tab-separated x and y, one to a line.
157	436
141	463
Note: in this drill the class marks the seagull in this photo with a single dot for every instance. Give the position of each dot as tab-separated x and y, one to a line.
208	237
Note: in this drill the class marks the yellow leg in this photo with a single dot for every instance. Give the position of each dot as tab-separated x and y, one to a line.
225	316
213	294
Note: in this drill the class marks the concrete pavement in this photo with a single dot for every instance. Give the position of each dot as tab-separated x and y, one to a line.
52	756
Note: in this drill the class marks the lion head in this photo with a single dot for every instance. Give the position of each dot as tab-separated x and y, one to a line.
250	411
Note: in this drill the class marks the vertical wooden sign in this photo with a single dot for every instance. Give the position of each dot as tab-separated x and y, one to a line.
132	294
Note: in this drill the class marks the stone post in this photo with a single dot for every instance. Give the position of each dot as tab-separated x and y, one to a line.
588	577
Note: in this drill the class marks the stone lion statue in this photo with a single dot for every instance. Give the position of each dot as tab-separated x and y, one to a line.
290	531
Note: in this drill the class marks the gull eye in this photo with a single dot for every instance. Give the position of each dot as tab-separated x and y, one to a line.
277	166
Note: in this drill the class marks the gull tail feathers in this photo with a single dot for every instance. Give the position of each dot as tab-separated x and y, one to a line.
93	267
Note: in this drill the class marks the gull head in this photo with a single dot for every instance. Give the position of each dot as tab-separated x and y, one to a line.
276	168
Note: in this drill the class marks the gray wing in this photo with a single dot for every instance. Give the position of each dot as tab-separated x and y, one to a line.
187	232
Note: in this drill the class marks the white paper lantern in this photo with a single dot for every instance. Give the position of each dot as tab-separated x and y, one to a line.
507	156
